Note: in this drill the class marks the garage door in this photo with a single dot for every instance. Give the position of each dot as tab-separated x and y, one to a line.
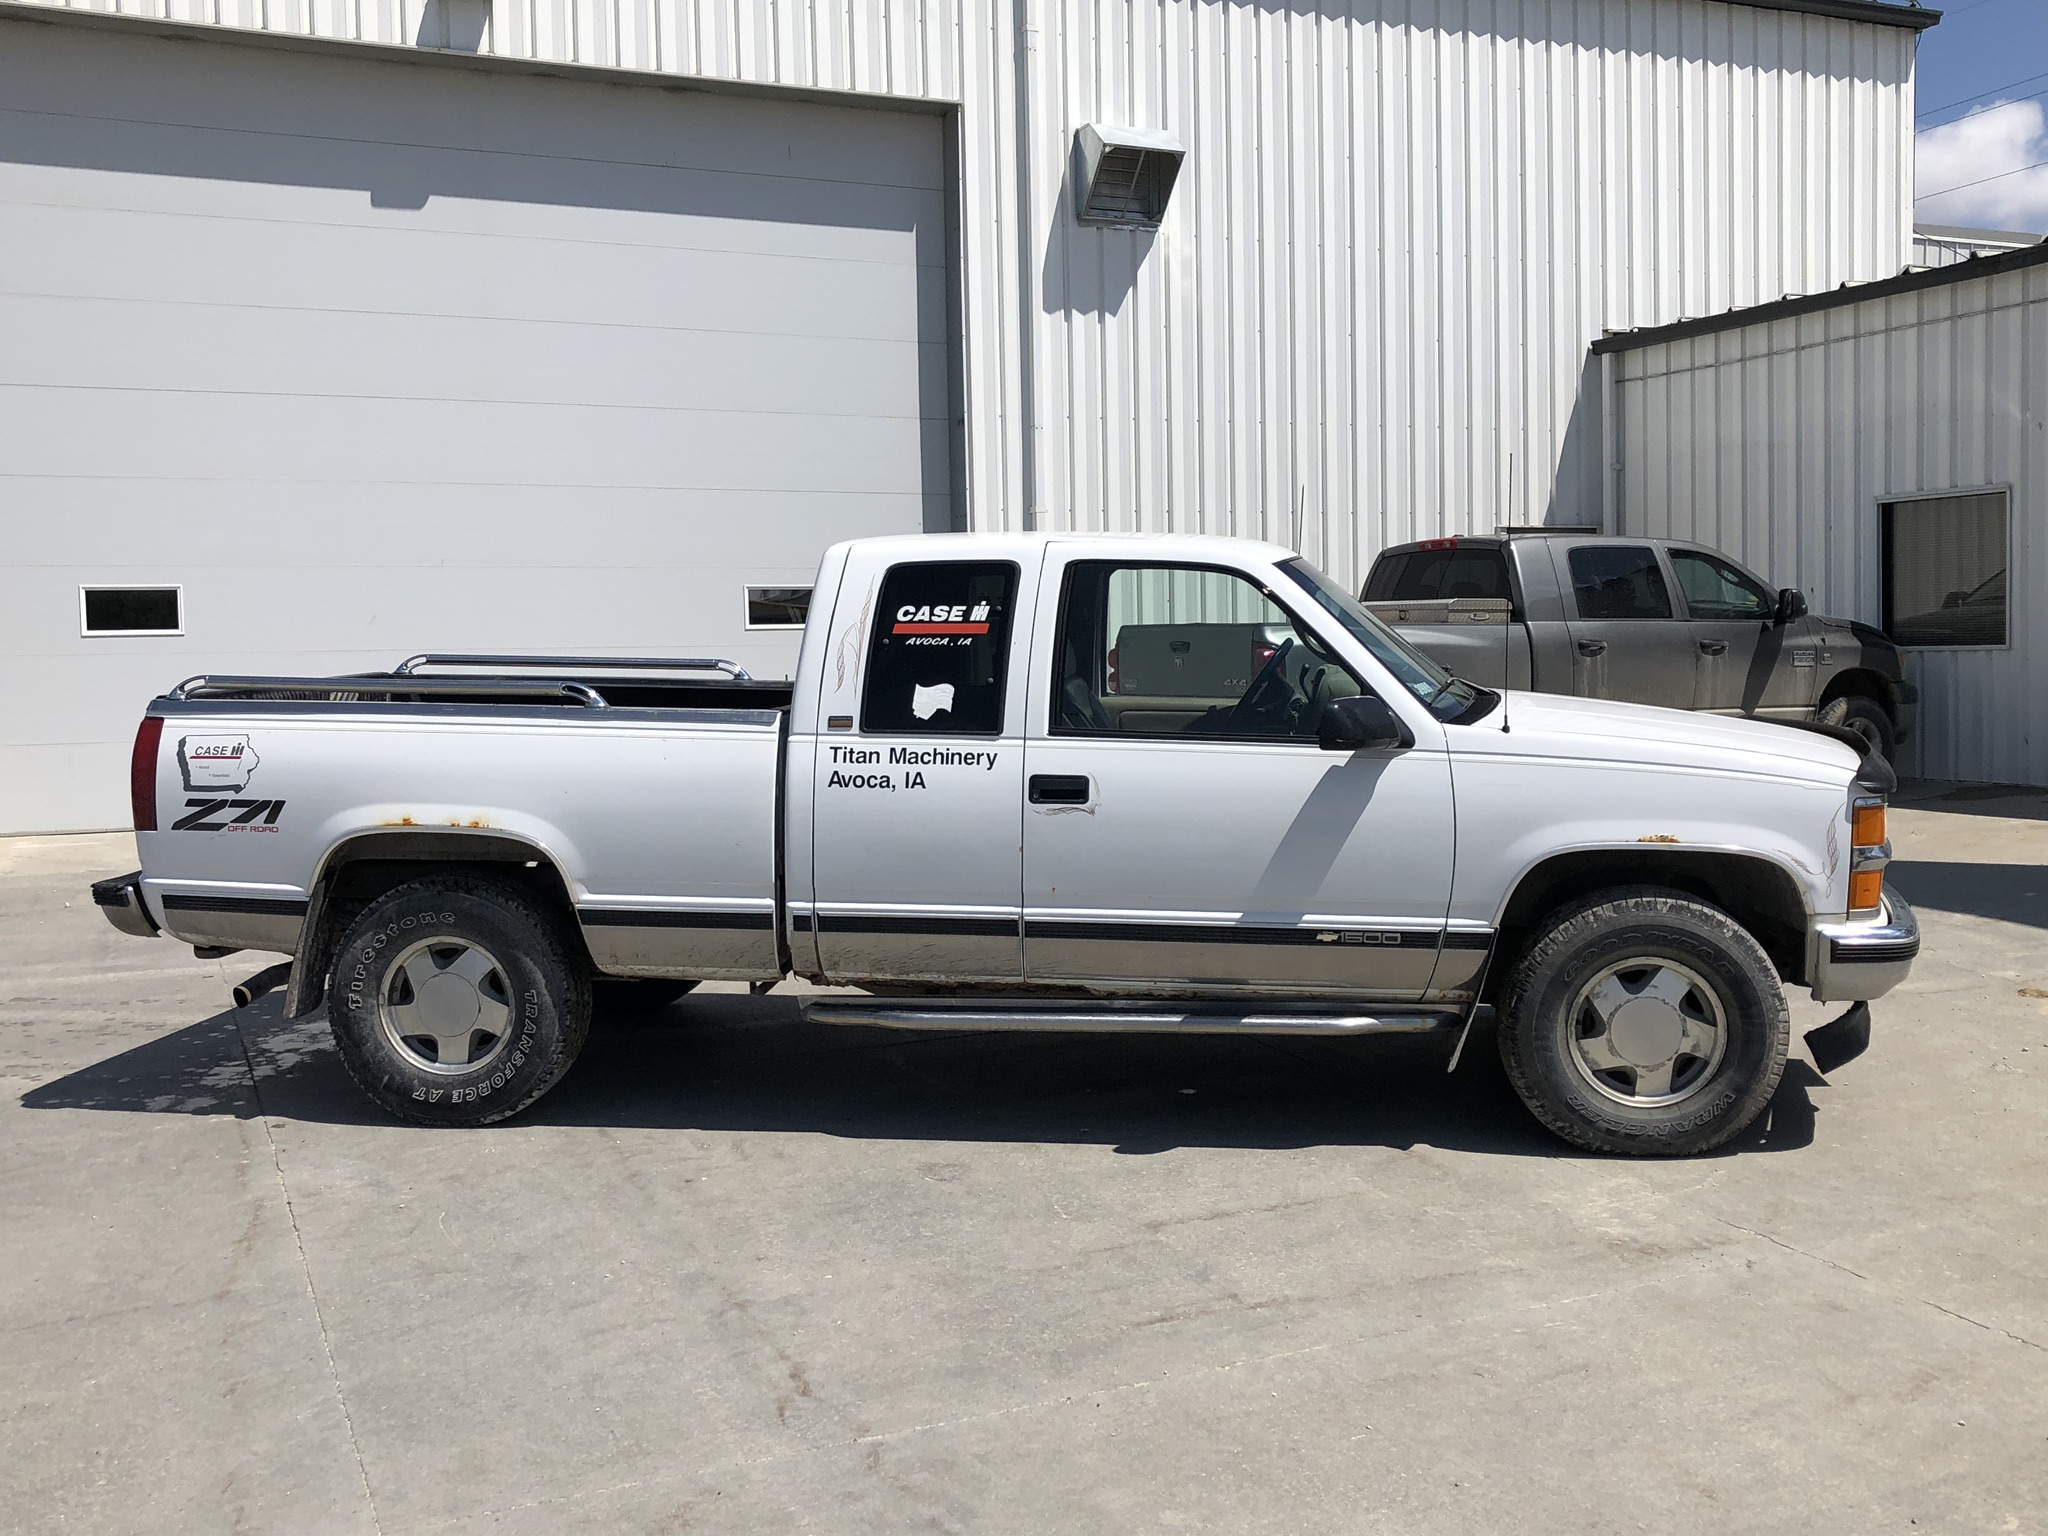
337	361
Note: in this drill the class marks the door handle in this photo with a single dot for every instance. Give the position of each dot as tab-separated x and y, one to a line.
1059	789
1592	647
1714	647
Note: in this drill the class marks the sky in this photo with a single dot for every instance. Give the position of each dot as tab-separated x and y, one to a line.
1983	116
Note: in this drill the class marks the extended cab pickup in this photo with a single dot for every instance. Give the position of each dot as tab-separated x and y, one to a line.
1029	783
1645	621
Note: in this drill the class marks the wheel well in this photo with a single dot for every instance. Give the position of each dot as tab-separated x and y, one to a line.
362	869
1755	892
1870	685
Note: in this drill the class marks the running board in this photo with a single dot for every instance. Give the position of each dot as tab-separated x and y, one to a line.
1039	1014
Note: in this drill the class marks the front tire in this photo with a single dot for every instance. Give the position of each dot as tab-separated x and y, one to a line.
1644	1022
454	1001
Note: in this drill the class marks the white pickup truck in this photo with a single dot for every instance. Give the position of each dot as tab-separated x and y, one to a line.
1028	783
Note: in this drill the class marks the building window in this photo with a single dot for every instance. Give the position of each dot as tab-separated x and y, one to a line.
778	607
1944	570
131	610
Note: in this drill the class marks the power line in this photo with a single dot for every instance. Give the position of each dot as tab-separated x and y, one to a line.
1978	112
1945	106
1944	192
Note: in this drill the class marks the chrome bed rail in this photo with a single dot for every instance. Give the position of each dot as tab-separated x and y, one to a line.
732	669
350	690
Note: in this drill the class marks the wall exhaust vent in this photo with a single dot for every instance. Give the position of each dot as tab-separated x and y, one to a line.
1127	174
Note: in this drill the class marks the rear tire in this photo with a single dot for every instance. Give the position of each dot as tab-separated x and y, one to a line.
1867	718
1644	1022
454	1001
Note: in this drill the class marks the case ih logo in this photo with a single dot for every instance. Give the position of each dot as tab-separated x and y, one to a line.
216	762
222	765
941	620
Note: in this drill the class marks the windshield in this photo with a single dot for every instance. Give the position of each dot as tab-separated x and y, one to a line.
1446	696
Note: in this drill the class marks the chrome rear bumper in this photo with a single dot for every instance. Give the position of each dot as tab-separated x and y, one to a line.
1855	962
121	900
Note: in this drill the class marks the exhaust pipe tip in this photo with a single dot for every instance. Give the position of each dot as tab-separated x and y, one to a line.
264	981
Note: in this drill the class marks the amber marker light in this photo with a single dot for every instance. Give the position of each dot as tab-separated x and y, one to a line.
1868	854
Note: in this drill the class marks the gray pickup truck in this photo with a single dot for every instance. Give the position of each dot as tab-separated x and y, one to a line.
1642	621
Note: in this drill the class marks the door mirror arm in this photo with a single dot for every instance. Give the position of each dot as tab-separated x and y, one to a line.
1361	723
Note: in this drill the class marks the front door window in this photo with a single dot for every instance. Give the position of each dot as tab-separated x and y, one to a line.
1153	650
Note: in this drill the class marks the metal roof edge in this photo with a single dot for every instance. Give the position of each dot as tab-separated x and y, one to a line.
1885	15
1833	298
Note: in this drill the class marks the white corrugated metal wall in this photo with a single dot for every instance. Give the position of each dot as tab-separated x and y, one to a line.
1778	441
1400	224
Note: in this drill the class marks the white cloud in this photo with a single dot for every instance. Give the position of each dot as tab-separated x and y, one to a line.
2002	137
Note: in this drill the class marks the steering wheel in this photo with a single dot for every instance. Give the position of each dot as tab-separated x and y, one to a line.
1267	697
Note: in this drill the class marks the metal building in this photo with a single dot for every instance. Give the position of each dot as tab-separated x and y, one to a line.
331	332
1886	449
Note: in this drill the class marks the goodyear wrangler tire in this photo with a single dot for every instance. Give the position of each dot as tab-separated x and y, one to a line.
455	1002
1642	1021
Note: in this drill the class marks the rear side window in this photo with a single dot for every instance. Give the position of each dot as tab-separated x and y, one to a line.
1425	575
1619	581
940	645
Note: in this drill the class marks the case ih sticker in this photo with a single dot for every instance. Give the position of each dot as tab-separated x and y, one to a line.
216	762
223	765
939	619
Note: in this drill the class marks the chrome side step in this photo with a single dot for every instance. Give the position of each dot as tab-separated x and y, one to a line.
1071	1016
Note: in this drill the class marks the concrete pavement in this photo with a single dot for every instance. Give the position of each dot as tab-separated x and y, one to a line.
739	1274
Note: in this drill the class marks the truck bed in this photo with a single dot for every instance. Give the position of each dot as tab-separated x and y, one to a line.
667	856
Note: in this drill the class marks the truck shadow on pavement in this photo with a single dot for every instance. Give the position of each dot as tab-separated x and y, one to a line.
728	1063
2011	893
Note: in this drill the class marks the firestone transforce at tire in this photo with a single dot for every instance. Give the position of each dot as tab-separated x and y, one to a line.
1645	1022
455	1002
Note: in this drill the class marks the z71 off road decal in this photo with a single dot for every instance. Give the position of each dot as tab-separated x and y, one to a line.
223	815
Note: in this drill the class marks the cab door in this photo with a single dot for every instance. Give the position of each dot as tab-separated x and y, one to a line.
1743	660
1628	642
1182	828
918	769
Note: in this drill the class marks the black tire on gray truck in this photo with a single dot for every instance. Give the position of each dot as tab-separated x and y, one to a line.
1643	1021
455	1001
1867	718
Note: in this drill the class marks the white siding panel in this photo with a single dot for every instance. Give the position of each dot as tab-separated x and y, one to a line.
1941	389
437	360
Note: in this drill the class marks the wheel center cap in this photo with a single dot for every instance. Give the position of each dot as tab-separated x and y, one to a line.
1646	1032
447	1004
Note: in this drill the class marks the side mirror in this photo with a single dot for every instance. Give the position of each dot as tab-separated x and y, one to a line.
1955	600
1361	723
1791	605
